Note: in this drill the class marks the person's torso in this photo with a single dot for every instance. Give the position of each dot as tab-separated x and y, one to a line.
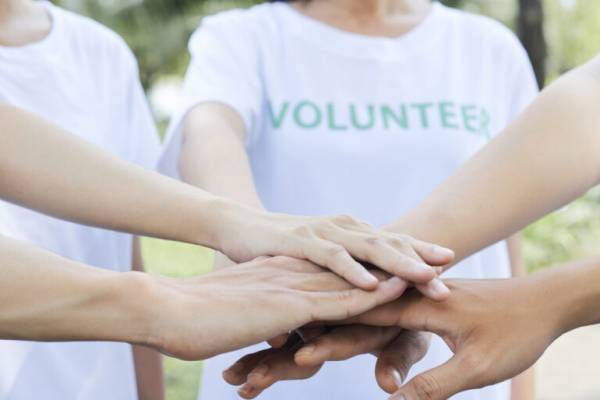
369	127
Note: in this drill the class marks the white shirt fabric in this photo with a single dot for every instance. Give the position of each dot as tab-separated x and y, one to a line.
83	78
367	126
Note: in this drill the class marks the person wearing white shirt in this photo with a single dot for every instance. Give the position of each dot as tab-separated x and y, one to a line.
358	107
82	77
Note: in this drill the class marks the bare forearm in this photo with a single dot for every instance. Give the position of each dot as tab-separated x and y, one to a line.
148	362
149	373
523	386
214	158
45	297
213	155
580	293
45	168
544	160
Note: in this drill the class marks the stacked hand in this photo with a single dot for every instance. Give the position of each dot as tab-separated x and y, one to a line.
336	243
268	297
496	329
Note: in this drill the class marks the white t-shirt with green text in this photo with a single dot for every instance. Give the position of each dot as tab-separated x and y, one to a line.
368	126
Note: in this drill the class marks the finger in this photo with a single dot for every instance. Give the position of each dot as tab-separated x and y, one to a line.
276	367
336	258
345	342
289	264
326	281
333	306
400	260
436	290
437	384
413	312
398	357
432	254
238	372
278	341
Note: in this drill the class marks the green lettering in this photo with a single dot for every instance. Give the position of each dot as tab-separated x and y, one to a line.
401	120
469	117
448	115
422	108
303	105
277	119
331	119
484	123
357	124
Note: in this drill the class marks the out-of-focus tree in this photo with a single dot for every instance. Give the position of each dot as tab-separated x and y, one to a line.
156	30
573	33
530	27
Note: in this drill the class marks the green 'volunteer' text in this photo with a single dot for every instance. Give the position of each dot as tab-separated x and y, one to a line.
448	115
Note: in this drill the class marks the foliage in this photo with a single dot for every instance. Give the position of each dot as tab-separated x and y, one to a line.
156	30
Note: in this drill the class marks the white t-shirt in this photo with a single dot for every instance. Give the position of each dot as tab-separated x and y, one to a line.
343	123
83	78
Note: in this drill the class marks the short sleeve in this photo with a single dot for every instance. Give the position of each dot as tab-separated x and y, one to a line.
224	68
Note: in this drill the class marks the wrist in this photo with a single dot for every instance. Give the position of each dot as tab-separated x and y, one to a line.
232	221
577	293
122	308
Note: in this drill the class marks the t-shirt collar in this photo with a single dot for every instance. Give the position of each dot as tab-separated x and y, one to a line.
352	44
46	42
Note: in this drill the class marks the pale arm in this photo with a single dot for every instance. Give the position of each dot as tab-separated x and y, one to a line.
545	159
47	169
214	158
148	363
45	297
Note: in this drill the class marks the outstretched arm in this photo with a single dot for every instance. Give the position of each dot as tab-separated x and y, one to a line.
45	168
45	297
545	159
214	158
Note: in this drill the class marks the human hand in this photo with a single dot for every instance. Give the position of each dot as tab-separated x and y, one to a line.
336	243
397	351
197	318
496	329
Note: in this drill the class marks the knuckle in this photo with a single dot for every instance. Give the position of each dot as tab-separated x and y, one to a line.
399	242
375	240
303	231
427	387
335	250
345	220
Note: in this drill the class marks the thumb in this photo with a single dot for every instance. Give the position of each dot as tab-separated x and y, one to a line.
436	384
397	358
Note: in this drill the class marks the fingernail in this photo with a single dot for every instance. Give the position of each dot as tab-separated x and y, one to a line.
442	251
394	280
235	368
259	371
395	374
246	390
370	278
440	287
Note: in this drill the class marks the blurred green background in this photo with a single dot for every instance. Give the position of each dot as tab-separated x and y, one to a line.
157	31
